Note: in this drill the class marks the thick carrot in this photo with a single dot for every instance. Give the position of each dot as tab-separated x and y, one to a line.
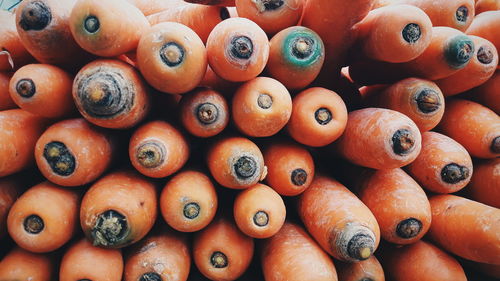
44	90
487	93
229	3
319	117
466	228
348	230
487	26
10	189
157	149
172	58
12	52
238	49
379	138
82	261
293	255
221	251
484	186
20	264
261	107
296	56
188	201
474	126
236	162
111	94
487	5
19	131
204	112
44	218
160	256
149	7
6	101
118	210
107	34
271	15
74	152
290	167
367	270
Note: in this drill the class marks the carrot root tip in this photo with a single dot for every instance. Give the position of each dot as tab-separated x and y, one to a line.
454	173
110	229
241	47
403	142
151	154
409	228
261	218
150	276
299	177
360	247
91	24
459	51
35	15
495	145
485	55
224	13
245	167
461	14
323	116
60	159
218	260
26	88
207	113
265	101
268	5
33	224
172	54
411	33
428	100
191	210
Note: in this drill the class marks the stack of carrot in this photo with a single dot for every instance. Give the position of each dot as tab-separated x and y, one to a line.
250	140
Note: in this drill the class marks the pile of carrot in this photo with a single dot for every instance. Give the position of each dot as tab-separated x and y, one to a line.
275	140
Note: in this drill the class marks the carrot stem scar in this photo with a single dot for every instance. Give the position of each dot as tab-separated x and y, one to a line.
411	33
302	47
207	113
245	167
428	100
323	116
91	24
485	55
402	142
459	51
299	176
265	101
268	5
461	14
110	228
409	228
191	210
454	173
495	145
33	224
219	260
59	158
26	88
241	47
150	276
35	16
172	54
360	247
151	154
261	218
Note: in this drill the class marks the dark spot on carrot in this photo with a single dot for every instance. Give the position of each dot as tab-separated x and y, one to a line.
408	228
26	88
245	167
224	13
172	54
265	101
454	173
110	229
142	203
207	113
402	142
191	210
150	276
303	47
360	247
35	15
268	5
459	51
299	177
91	24
151	154
241	47
323	116
485	55
218	260
461	14
33	224
495	145
261	218
59	158
411	33
428	100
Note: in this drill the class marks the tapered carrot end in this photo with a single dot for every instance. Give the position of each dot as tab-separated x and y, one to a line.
403	142
35	15
428	100
191	210
60	159
33	224
207	113
495	145
454	173
409	228
459	51
110	229
219	260
151	154
360	247
26	88
150	276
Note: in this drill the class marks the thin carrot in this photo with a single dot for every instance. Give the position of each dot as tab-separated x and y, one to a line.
6	101
12	52
20	264
367	270
487	5
487	93
485	182
487	25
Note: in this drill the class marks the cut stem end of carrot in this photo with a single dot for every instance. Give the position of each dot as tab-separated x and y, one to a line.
299	177
462	14
360	247
245	167
33	224
323	116
454	173
150	276
26	88
151	154
110	229
495	145
265	101
485	55
268	5
459	51
411	33
172	54
428	101
91	24
219	260
302	47
409	228
241	47
403	142
59	158
191	210
261	218
36	15
207	113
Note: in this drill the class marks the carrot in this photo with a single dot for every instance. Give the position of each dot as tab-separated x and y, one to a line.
421	261
215	82
6	101
10	189
290	167
44	218
466	228
19	131
149	7
12	52
271	15
20	264
261	107
485	182
118	210
204	112
44	90
172	58
235	162
237	49
487	5
487	93
157	149
82	261
188	201
419	99
111	94
228	3
379	138
107	34
159	256
487	25
75	158
319	117
200	18
296	56
474	126
293	255
395	33
367	270
221	251
348	230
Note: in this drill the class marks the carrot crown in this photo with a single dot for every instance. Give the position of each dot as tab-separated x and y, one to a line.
302	48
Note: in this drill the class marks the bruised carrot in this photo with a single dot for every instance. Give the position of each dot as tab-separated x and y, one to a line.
296	56
43	89
20	264
237	49
261	107
486	5
82	261
228	3
12	52
77	158
204	112
348	230
19	131
118	210
485	183
319	117
379	138
111	94
221	251
271	15
367	270
188	201
487	93
236	162
293	255
44	218
290	168
6	101
466	228
487	26
10	189
160	256
474	126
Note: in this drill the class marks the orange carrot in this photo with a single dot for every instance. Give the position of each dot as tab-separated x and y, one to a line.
10	189
487	5
485	183
217	83
12	52
6	101
487	26
367	270
487	93
149	7
213	2
20	264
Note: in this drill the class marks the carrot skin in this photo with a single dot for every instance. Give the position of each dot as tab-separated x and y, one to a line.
11	45
369	269
485	182
20	264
